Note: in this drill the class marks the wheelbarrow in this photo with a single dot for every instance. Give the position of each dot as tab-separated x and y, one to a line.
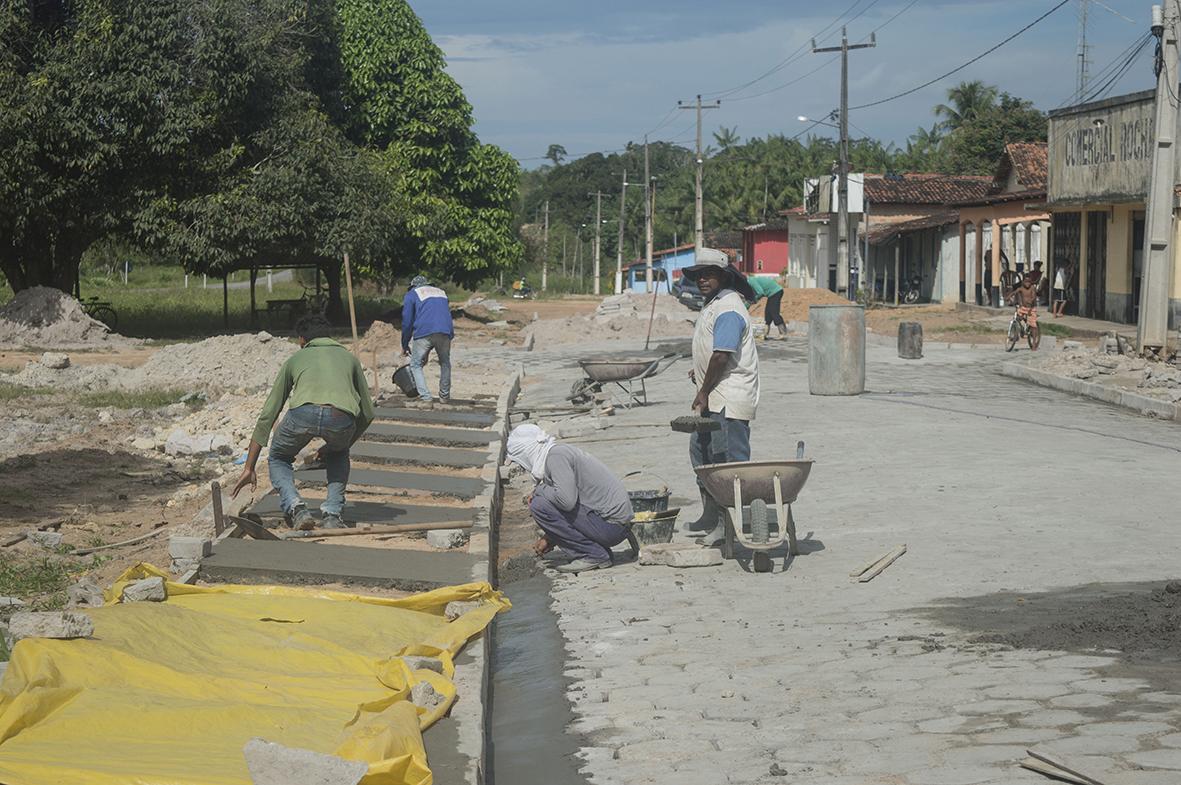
624	374
759	485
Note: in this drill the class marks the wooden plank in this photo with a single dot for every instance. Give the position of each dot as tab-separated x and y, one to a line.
1063	766
219	522
1033	764
882	564
868	564
395	529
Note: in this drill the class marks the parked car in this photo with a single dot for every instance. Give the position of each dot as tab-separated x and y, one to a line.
688	294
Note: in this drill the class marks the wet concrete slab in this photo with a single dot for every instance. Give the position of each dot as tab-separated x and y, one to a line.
384	512
439	437
279	561
436	416
459	487
423	456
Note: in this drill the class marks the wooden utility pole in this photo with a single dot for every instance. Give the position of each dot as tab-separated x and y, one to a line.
619	246
698	218
647	219
652	226
845	277
598	238
545	249
1153	325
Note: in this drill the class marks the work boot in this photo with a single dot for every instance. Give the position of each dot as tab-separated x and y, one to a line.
717	536
709	517
302	519
330	521
782	330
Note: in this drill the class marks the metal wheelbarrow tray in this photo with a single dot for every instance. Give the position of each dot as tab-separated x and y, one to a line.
757	484
622	373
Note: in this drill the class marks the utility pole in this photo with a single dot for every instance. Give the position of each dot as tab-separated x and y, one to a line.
844	274
619	246
698	222
598	239
1084	60
648	219
651	230
545	249
1153	327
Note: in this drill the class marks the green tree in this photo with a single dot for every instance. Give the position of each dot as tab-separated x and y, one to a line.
459	193
968	100
976	147
556	153
727	138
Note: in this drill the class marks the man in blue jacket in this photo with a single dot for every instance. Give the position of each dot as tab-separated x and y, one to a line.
426	325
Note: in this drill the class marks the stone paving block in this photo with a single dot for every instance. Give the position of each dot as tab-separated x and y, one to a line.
445	539
1125	728
1094	745
999	707
274	764
1171	740
1081	700
680	555
1027	691
50	624
1053	718
1160	697
954	775
985	754
145	590
1157	759
1026	736
1108	686
189	548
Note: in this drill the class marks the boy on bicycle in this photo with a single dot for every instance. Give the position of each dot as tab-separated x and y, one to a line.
1025	298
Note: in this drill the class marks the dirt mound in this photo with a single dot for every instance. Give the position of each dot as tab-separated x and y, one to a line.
380	337
225	362
51	319
797	301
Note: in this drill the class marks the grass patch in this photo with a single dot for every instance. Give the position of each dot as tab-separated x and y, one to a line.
10	392
1058	330
26	577
135	399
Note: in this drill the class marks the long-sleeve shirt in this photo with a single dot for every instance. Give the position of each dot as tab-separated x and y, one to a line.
573	477
764	285
425	311
322	372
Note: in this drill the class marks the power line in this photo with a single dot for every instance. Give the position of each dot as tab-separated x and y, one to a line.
1119	61
961	67
823	65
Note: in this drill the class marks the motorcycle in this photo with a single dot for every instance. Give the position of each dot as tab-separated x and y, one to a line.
911	294
523	292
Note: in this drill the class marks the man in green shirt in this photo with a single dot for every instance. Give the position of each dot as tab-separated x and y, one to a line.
324	386
768	286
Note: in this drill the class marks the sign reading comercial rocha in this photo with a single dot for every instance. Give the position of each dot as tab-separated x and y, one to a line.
1102	152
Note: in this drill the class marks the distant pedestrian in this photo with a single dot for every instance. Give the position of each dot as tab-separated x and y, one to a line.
768	286
427	326
324	386
579	504
1061	281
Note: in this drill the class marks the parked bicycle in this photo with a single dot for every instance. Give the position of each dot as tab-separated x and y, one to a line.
101	310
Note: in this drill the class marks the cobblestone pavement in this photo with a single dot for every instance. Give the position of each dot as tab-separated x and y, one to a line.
719	675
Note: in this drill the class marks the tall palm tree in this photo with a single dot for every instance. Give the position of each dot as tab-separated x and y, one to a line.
727	137
968	100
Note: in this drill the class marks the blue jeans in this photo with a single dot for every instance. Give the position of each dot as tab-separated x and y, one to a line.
729	445
581	532
420	349
300	426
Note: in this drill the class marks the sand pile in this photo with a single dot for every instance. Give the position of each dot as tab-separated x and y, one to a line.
381	336
225	362
796	302
622	317
51	319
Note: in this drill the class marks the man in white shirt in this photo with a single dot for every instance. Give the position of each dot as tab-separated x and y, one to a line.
726	372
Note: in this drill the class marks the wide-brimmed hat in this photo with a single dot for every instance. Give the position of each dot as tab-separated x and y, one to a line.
712	259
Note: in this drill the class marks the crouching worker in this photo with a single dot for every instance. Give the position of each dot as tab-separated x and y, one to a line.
325	387
579	504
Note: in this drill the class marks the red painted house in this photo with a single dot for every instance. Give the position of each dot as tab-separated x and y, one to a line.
765	248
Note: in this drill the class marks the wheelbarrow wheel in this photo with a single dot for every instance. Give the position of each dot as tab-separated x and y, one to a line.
582	391
760	532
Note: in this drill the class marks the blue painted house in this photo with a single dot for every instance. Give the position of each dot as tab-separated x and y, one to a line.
666	269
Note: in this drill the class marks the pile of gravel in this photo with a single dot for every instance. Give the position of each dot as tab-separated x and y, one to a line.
225	362
49	318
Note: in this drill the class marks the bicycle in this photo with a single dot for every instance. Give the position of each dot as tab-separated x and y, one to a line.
1019	328
102	311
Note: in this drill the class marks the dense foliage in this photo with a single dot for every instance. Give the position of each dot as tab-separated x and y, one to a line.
219	134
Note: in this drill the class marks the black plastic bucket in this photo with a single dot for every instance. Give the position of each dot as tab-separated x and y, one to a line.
405	381
649	501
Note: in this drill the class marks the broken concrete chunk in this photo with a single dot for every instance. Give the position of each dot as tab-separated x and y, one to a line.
274	764
85	594
459	607
49	540
444	539
146	590
55	360
680	555
417	663
53	624
11	602
424	696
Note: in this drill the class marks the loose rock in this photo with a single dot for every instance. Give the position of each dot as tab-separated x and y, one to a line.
424	696
47	540
680	555
56	624
459	607
55	360
85	594
445	539
417	663
146	590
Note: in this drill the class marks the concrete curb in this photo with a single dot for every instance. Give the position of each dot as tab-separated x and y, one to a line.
472	712
1143	404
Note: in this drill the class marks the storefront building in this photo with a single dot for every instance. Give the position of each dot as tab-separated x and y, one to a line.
1100	161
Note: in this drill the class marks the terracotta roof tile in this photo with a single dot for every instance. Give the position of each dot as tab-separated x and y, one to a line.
924	188
1028	160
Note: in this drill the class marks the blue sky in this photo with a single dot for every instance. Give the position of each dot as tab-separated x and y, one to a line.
594	75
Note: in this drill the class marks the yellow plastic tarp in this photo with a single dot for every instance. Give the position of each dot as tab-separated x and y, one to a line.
168	693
